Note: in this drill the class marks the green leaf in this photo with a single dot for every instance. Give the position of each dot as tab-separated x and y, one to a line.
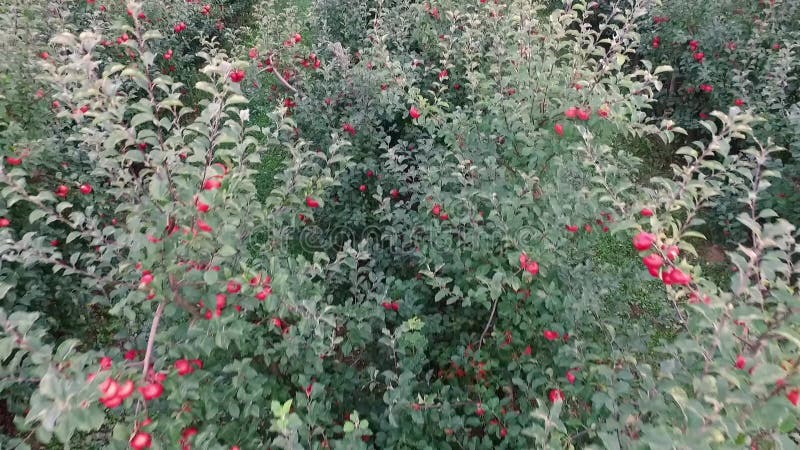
662	69
207	87
210	277
236	99
4	288
609	441
35	215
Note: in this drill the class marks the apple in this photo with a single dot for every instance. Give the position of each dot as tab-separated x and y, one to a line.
183	367
555	395
140	440
642	241
62	191
793	396
236	76
550	335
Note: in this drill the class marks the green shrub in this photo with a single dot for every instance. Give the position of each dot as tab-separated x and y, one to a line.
445	260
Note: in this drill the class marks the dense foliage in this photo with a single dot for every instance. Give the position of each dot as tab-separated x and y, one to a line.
458	249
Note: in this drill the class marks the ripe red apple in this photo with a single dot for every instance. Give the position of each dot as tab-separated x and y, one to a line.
221	300
183	367
263	294
140	441
653	261
559	129
555	395
570	377
125	389
233	287
11	161
646	212
740	362
203	226
85	189
62	191
550	335
642	241
4	222
675	276
793	396
672	252
129	355
236	76
211	184
362	188
413	112
528	350
348	128
146	279
311	203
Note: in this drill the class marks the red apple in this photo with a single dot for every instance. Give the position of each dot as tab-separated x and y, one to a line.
793	396
140	440
183	367
642	241
550	335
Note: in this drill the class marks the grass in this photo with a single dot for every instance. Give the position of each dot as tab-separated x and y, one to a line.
642	304
273	160
272	163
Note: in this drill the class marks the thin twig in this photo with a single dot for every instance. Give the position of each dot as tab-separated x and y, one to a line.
276	72
488	322
151	339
